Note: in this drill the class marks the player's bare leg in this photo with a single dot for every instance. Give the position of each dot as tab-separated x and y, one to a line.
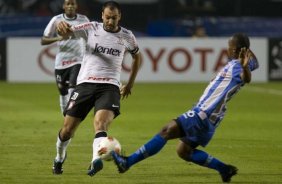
102	121
63	140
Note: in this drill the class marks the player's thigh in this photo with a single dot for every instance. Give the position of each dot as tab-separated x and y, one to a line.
171	131
81	101
108	98
184	149
103	119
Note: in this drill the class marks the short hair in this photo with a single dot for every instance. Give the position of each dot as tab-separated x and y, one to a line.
112	5
242	41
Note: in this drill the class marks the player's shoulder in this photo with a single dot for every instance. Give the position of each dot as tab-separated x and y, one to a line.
125	31
58	17
128	36
97	25
80	16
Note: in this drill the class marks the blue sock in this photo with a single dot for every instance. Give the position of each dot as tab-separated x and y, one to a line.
150	148
202	158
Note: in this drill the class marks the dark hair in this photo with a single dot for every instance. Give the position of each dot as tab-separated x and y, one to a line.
112	5
242	40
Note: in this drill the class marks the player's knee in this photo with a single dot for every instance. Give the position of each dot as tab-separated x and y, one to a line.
101	124
66	134
184	152
184	155
166	133
180	154
170	131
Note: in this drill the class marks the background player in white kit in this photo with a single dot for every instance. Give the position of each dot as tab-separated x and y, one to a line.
98	82
71	50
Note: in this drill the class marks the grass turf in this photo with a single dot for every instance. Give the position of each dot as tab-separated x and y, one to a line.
249	136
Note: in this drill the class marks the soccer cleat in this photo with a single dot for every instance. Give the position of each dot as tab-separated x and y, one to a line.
58	166
231	171
120	161
95	167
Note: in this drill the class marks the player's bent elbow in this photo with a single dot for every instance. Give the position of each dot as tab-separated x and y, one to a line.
247	79
43	42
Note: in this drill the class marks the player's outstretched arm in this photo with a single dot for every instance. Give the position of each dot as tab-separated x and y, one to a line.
48	40
64	32
126	89
244	56
253	62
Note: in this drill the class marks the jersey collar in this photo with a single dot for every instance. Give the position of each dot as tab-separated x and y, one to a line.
68	18
119	28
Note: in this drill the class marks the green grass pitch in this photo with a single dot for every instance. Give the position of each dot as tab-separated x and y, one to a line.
249	137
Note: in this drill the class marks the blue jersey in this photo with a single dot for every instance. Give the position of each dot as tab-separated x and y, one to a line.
219	91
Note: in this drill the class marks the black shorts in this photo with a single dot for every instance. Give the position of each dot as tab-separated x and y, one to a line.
88	95
66	78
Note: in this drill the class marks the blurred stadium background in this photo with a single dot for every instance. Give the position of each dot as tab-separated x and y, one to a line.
154	17
250	136
22	21
160	25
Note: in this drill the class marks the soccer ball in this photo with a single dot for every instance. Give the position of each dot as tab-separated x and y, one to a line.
106	146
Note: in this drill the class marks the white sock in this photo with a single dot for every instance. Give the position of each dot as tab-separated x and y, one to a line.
95	144
63	102
61	149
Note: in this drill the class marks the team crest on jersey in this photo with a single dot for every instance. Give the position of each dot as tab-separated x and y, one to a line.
120	40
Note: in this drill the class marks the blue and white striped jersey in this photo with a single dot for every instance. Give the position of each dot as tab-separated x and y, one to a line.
220	90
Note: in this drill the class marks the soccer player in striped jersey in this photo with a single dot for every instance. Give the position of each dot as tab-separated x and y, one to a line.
98	82
197	126
70	53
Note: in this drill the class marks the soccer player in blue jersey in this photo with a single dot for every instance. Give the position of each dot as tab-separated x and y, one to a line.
197	126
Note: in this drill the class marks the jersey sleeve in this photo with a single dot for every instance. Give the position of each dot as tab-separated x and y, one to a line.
83	27
253	64
81	30
50	30
132	45
86	19
83	18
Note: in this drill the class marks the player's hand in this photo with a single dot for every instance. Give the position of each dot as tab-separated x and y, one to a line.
64	29
244	56
125	91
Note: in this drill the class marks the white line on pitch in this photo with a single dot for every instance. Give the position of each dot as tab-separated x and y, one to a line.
265	90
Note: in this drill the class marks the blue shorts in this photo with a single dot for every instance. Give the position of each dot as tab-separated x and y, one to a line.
196	130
